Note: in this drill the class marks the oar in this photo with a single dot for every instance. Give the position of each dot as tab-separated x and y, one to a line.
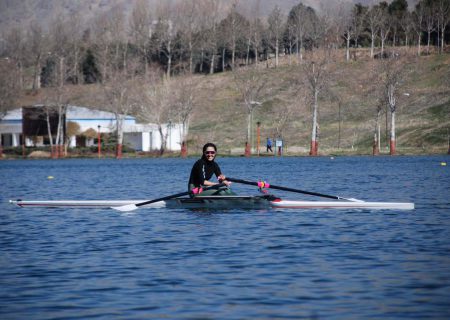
134	206
266	185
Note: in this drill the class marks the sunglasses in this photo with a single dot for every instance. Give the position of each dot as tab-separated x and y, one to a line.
210	152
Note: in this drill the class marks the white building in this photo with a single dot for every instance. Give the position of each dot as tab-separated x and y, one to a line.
141	137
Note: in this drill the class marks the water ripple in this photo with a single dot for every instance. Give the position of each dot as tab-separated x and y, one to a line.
263	264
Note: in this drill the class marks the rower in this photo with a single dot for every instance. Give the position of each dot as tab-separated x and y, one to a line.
202	172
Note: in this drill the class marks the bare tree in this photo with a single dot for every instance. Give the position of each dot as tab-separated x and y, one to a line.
56	97
233	29
418	22
141	29
346	19
156	103
189	29
9	89
391	75
56	101
75	48
59	47
285	111
253	34
317	29
443	19
16	51
251	87
107	42
335	20
37	46
166	29
298	25
407	25
377	130
185	94
210	12
120	97
276	27
374	94
385	24
429	20
374	17
317	77
359	20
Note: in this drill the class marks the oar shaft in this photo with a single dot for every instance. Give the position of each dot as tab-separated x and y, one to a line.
285	188
177	195
163	198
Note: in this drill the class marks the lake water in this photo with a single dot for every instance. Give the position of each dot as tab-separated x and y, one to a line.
265	264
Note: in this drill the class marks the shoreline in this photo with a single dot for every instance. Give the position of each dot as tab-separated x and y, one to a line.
232	153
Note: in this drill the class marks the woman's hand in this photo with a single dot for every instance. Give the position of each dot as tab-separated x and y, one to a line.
222	179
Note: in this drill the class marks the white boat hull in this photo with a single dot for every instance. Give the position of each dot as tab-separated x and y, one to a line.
287	204
218	202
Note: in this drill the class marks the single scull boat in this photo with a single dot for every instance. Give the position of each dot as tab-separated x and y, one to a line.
218	202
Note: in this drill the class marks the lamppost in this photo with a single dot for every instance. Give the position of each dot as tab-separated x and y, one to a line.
99	142
250	142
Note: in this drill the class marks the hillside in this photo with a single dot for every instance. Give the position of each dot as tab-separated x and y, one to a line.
423	112
422	117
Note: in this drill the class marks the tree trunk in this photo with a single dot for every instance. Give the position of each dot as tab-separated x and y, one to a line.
248	53
201	60
169	59
119	145
163	140
249	127
375	149
233	55
223	60
276	53
119	151
169	65
418	44
256	52
301	50
59	131
247	149
37	75
347	53
291	45
211	70
191	58
184	151
50	137
314	144
372	45
392	144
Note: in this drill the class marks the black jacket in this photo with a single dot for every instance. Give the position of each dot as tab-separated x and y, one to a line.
203	170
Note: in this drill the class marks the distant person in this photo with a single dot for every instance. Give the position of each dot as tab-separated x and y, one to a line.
269	145
203	170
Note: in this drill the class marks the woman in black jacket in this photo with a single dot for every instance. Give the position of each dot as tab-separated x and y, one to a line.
203	170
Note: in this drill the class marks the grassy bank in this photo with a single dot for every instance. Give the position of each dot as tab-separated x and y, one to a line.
423	109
